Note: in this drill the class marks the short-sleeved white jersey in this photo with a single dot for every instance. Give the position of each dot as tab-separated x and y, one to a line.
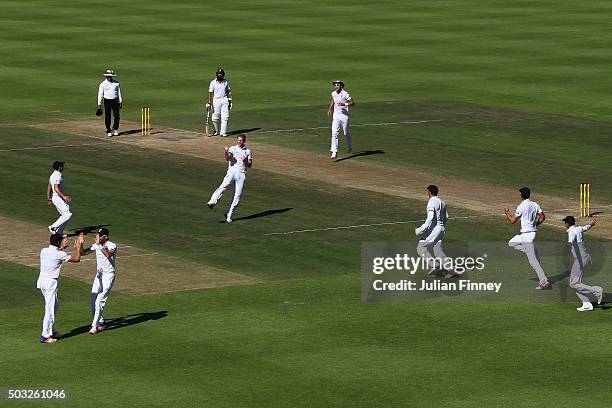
104	264
51	259
219	89
56	178
236	162
438	207
528	211
341	97
575	233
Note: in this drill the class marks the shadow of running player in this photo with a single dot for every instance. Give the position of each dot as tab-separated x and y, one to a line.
87	229
120	322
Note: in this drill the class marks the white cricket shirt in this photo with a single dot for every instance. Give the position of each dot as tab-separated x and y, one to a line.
56	178
109	90
528	211
574	233
106	265
51	260
236	163
342	97
219	89
438	207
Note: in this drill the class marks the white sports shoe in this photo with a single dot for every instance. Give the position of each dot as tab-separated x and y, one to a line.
93	330
115	133
333	155
229	220
586	307
544	286
109	134
51	230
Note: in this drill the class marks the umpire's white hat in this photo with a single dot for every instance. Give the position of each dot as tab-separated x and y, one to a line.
109	73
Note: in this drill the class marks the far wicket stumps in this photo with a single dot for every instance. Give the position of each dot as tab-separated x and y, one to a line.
145	121
585	199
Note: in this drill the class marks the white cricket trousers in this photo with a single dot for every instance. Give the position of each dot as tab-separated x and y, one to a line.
582	259
220	115
100	290
238	179
433	241
49	287
64	210
340	121
523	242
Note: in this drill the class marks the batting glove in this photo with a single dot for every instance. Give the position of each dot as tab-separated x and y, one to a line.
230	103
208	106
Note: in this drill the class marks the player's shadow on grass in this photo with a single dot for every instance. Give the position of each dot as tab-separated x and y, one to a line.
360	154
87	229
131	132
239	131
120	322
262	214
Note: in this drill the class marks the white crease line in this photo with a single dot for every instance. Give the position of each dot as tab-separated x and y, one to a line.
51	147
407	122
416	221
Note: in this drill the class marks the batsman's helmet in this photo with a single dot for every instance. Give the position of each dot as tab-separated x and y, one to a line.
337	81
220	73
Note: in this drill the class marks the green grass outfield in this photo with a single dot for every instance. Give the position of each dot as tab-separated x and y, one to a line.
517	93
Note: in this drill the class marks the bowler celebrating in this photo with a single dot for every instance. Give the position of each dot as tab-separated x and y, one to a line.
531	215
239	158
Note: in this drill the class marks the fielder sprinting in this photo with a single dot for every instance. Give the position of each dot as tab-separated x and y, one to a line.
239	158
220	100
531	215
582	259
339	105
51	259
56	195
106	253
432	233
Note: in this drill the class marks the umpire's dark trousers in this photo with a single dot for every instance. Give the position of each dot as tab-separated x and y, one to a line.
111	105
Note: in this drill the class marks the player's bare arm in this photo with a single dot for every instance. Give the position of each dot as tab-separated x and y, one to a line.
49	193
350	102
78	248
541	218
512	218
330	109
248	163
228	155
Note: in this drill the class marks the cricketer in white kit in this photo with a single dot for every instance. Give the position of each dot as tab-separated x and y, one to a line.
239	158
582	259
432	233
220	99
106	254
56	195
531	215
51	259
339	105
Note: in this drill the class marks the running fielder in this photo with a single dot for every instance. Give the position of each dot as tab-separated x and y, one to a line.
432	233
56	195
106	253
531	215
220	100
239	158
339	105
582	259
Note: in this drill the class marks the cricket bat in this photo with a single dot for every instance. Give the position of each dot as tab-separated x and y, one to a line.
206	125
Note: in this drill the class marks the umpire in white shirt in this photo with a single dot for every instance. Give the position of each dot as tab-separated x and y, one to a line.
110	91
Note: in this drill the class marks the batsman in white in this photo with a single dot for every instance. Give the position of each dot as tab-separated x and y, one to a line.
56	195
582	259
51	259
239	158
339	105
106	253
531	215
220	100
432	233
